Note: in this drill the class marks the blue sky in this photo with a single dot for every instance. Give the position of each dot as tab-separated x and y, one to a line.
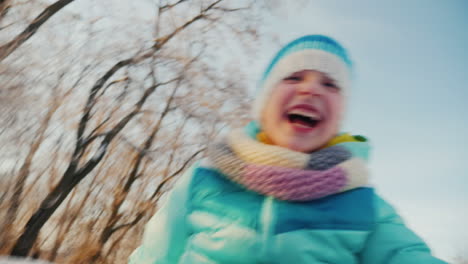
409	97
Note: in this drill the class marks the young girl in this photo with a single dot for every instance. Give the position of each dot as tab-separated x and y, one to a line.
288	188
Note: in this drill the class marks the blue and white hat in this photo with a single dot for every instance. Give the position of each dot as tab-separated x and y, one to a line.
311	52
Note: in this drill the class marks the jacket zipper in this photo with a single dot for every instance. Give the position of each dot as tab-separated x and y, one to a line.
267	224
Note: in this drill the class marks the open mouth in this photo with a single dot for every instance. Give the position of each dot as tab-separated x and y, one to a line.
304	117
303	120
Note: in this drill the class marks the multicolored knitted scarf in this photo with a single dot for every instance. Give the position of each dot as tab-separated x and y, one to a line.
289	175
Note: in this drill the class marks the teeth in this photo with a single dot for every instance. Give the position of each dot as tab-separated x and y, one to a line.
311	115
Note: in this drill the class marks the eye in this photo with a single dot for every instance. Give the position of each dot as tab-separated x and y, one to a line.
331	84
293	78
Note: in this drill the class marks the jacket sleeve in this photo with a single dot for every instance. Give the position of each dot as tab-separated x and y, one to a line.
166	232
391	242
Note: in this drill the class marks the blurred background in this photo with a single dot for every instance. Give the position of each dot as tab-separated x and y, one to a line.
103	104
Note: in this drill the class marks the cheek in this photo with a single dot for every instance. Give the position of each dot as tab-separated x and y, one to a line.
341	106
269	113
279	100
336	108
283	96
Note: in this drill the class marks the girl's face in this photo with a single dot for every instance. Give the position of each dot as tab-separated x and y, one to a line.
304	111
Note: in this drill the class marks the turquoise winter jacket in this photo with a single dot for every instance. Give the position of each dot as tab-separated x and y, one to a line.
209	219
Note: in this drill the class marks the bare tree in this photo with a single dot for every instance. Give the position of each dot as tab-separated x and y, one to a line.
134	105
80	165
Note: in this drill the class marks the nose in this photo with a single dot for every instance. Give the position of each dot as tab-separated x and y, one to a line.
311	86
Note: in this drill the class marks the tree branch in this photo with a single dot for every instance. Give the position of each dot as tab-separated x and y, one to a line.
11	46
159	42
169	6
166	180
132	223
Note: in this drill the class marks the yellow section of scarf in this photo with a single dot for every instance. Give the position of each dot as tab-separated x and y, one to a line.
345	137
257	152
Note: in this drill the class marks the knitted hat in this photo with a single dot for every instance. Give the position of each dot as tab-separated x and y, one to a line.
311	52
